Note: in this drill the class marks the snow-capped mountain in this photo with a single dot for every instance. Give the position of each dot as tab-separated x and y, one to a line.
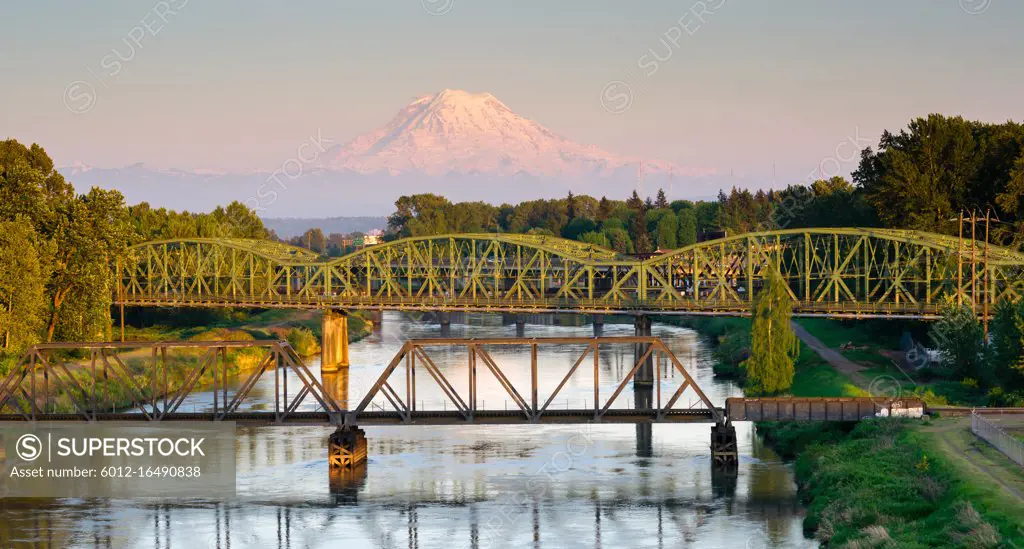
465	146
454	132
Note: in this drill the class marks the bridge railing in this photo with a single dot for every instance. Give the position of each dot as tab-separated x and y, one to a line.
584	305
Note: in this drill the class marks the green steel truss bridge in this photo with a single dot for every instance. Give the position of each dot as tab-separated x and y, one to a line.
845	272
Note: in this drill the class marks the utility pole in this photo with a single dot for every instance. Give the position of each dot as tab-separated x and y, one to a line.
960	263
988	212
974	267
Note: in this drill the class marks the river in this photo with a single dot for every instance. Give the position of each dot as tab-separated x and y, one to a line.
462	487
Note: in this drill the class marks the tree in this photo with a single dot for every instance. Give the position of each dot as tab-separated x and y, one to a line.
570	207
707	216
595	238
773	345
638	224
618	239
419	214
923	176
313	239
959	338
23	277
578	226
604	209
1007	344
665	232
687	227
661	201
91	232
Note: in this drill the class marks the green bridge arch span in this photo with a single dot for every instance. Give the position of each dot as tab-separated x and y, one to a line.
853	272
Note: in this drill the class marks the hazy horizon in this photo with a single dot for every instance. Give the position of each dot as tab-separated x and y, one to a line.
748	93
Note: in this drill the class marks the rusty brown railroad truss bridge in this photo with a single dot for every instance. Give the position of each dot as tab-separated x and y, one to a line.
138	382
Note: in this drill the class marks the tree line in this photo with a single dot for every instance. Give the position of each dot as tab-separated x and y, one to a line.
921	177
58	247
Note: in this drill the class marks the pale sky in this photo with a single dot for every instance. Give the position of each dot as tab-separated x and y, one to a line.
239	85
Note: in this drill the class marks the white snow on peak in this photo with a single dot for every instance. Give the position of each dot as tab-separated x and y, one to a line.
458	132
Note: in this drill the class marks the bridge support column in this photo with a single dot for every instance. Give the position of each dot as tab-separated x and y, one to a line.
520	325
598	325
377	317
445	319
645	375
346	448
724	450
333	342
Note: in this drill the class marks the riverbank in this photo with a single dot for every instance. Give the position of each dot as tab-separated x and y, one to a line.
293	325
888	483
885	482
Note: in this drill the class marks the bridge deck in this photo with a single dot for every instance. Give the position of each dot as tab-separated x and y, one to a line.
385	418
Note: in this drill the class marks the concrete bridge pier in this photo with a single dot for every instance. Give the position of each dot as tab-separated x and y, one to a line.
333	341
377	317
645	375
346	448
598	325
445	319
520	325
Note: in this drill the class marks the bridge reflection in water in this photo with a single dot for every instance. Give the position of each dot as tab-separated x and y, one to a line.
664	518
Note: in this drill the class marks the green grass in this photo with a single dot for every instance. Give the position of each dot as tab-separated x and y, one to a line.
870	337
817	378
834	332
884	485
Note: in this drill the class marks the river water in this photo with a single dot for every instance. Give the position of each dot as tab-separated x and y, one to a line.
462	487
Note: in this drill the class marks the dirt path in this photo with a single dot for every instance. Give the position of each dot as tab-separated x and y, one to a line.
975	456
833	357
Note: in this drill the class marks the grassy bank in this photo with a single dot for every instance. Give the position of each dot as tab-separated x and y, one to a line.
885	484
877	483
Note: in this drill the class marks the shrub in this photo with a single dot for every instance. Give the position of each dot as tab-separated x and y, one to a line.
303	341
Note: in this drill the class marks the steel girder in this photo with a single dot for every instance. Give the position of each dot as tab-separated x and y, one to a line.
833	271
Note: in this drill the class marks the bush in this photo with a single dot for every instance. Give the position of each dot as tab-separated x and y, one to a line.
790	438
6	363
303	341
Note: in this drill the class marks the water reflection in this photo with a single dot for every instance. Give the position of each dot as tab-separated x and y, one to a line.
336	385
456	487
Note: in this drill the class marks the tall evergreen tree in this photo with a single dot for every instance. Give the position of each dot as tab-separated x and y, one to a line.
661	201
604	209
773	345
